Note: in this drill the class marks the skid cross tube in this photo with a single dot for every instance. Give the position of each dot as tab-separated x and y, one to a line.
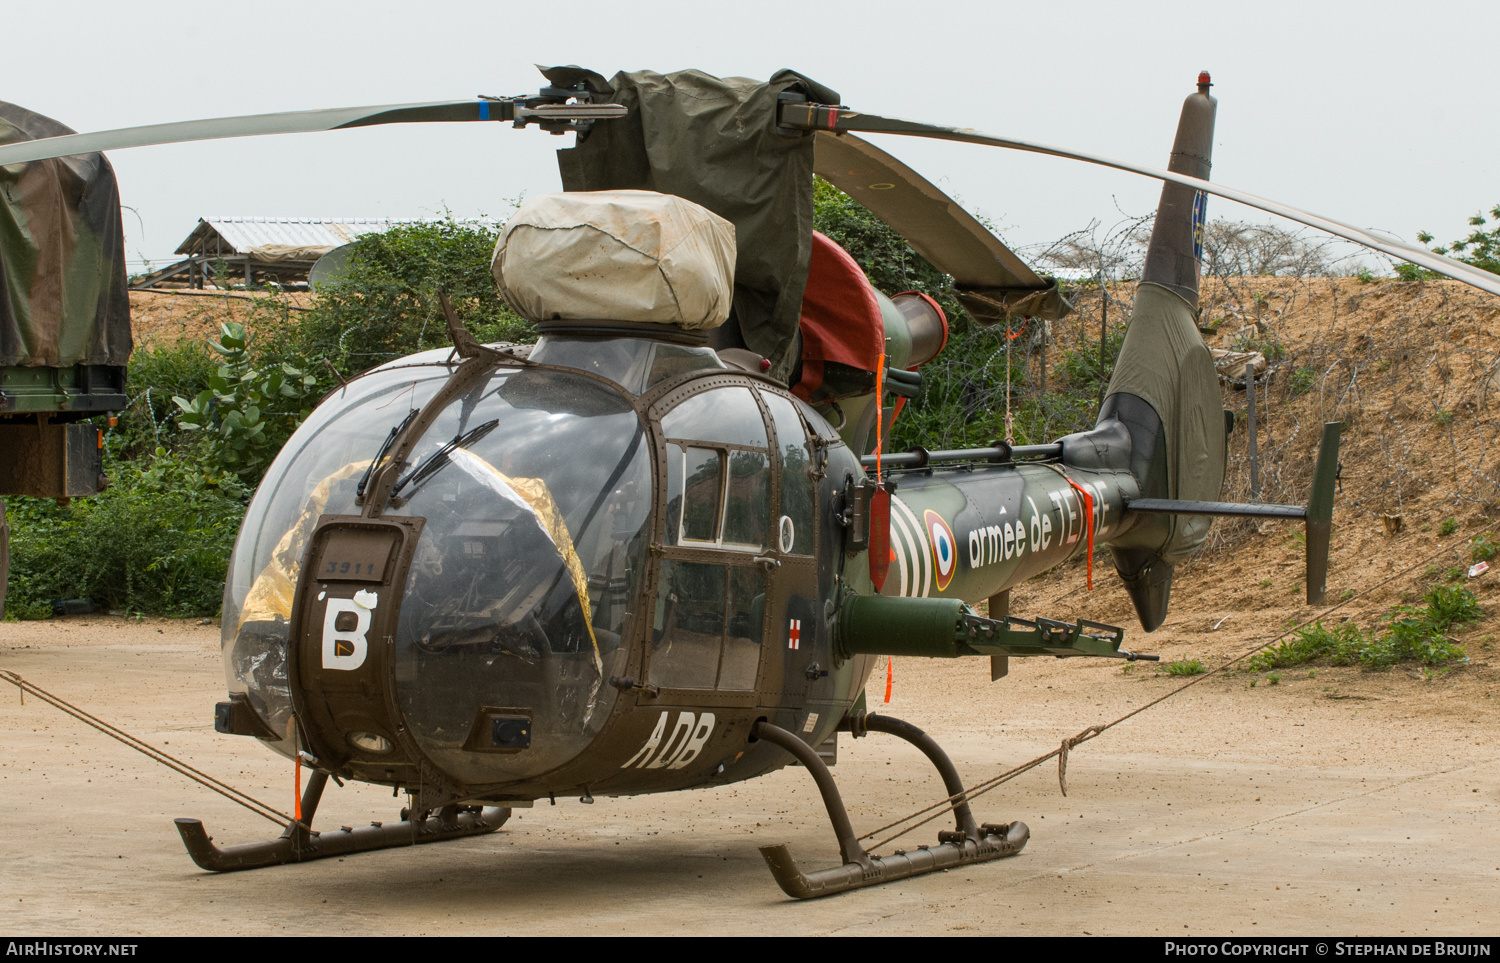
299	844
859	868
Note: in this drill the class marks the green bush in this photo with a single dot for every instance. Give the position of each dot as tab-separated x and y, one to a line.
1184	667
891	264
158	540
1413	634
1336	645
154	376
386	305
246	413
1485	548
963	401
1082	368
1407	271
1450	607
1448	527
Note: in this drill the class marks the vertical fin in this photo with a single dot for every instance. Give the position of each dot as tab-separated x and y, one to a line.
1176	247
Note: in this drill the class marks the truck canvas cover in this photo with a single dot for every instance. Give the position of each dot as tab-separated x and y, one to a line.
63	294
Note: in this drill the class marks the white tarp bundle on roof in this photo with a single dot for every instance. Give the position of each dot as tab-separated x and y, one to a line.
277	253
617	256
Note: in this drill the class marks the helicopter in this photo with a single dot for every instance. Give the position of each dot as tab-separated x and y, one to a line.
664	548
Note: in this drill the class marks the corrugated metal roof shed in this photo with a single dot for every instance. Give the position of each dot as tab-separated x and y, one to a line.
240	235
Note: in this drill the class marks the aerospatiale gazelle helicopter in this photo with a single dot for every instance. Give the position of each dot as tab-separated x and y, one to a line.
660	549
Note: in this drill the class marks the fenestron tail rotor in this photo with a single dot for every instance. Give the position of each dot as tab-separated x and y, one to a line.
1161	416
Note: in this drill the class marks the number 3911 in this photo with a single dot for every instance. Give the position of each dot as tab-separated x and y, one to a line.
349	568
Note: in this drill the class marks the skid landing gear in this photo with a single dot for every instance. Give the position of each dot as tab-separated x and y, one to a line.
968	843
299	844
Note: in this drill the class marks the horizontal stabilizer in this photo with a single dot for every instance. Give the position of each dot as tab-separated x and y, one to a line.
1317	513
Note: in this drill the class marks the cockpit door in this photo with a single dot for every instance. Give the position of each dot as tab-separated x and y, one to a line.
715	559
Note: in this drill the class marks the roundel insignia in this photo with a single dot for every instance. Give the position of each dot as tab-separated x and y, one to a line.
944	548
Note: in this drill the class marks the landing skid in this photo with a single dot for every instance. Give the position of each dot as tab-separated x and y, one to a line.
299	844
968	843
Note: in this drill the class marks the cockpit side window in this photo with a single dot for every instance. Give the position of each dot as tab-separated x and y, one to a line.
718	472
696	501
729	415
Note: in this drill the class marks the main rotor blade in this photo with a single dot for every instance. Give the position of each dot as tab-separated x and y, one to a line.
287	122
814	117
911	205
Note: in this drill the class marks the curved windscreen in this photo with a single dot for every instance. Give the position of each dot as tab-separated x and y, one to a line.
536	490
317	471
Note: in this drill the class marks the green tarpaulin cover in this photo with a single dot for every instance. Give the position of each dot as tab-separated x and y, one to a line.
714	141
63	297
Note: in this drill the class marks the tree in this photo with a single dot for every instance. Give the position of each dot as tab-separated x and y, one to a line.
1481	248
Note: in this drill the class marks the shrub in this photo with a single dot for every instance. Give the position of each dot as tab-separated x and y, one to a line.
1414	634
158	540
1337	645
1184	667
1449	607
154	376
1406	271
1448	527
386	306
246	414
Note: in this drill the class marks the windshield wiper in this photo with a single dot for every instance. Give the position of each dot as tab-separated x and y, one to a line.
440	458
385	447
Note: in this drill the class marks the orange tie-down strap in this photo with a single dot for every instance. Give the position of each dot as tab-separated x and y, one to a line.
1088	508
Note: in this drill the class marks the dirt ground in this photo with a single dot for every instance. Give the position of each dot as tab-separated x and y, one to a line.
1347	803
162	317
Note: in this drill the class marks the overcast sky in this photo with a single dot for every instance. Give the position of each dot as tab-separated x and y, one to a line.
1376	113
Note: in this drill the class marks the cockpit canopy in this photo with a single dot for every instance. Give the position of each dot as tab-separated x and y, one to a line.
542	488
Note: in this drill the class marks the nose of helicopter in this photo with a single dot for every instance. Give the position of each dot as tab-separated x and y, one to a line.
469	630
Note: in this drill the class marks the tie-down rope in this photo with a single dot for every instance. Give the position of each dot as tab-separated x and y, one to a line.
146	749
945	806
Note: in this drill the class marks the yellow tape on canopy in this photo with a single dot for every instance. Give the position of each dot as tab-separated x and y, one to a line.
271	594
532	495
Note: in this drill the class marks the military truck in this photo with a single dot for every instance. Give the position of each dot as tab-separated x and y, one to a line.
64	319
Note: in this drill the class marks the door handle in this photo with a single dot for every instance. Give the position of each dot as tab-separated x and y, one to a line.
769	561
